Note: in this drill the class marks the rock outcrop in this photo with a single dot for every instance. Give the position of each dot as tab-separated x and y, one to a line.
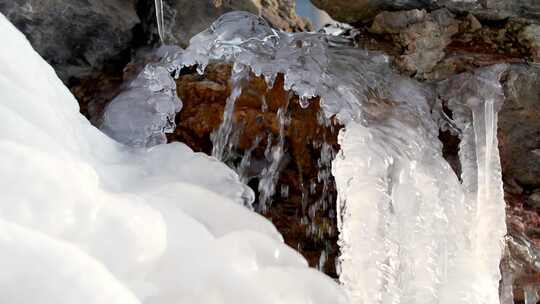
76	37
362	10
435	45
423	37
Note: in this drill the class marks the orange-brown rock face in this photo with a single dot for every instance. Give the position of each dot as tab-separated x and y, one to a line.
302	211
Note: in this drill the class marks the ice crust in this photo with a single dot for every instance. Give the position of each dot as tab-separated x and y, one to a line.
313	64
84	219
411	231
142	114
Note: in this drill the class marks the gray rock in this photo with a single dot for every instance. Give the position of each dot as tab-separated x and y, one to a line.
282	14
74	36
360	10
395	22
530	36
472	23
519	127
534	200
79	37
423	37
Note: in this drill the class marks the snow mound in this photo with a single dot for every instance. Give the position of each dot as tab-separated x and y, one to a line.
84	219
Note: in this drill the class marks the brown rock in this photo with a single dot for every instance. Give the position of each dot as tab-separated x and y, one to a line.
204	97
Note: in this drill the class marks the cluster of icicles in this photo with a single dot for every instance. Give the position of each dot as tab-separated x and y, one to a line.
411	230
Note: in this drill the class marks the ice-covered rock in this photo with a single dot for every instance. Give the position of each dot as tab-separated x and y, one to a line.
142	114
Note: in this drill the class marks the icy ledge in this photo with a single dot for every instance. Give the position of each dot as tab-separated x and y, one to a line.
85	220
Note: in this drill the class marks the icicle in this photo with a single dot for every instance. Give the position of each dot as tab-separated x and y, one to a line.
322	261
284	191
507	279
142	114
160	21
475	100
304	102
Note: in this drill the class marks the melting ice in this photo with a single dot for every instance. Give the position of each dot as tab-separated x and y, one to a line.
411	231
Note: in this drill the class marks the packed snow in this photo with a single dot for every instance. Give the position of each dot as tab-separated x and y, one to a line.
84	219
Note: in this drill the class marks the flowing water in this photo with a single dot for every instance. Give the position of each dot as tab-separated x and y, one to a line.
411	230
221	139
274	155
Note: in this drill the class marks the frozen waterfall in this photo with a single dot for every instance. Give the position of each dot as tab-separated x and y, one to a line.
149	222
412	231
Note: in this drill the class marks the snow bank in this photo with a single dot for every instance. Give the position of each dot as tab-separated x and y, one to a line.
84	219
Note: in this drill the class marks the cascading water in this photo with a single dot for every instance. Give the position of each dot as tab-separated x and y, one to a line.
221	139
269	175
410	231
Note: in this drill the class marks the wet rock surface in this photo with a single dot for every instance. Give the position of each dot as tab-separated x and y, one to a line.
519	123
519	132
308	228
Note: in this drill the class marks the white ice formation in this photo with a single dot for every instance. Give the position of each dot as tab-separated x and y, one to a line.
142	114
84	219
418	233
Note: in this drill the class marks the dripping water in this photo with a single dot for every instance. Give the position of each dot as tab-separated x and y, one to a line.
274	155
221	138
